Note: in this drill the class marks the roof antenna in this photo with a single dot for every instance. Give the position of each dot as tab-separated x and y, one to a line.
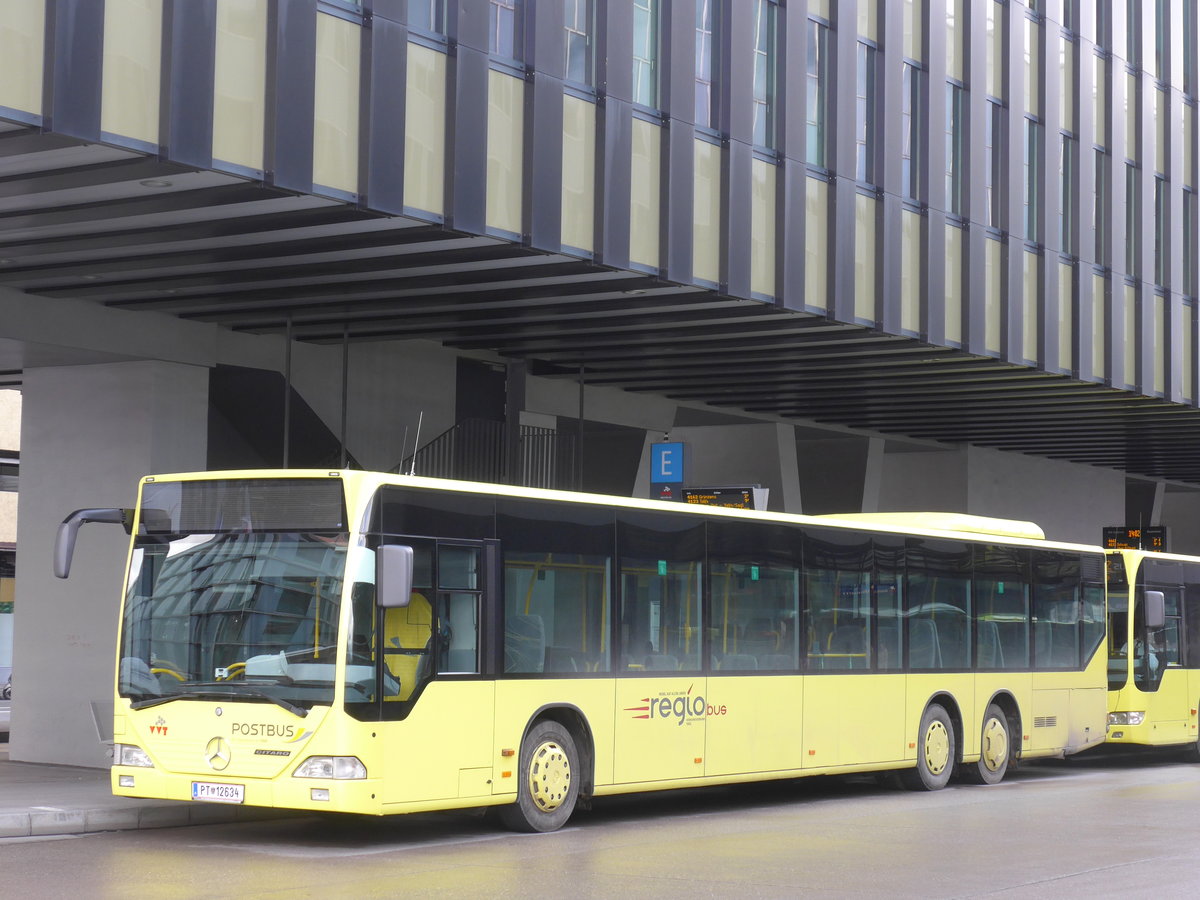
412	469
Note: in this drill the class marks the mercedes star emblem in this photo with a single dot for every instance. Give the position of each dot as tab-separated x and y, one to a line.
217	754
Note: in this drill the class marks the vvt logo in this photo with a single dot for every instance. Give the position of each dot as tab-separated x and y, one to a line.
677	705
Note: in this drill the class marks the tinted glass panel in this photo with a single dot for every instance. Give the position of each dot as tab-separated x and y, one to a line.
755	596
939	604
433	513
1001	608
557	586
661	559
1057	605
837	590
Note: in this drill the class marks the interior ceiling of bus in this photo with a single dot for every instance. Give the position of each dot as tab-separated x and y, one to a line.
110	226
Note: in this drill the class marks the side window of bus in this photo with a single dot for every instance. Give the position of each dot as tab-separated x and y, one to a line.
1057	609
557	562
1191	617
661	572
459	583
939	604
1001	607
838	599
755	586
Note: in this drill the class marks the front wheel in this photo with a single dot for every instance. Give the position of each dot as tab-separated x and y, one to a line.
995	748
935	751
548	780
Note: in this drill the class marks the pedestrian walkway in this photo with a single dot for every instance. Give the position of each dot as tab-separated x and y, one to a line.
38	799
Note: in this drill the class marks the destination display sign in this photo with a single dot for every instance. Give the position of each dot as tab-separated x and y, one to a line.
734	497
1129	537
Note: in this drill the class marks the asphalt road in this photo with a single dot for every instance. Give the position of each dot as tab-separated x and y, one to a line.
1096	828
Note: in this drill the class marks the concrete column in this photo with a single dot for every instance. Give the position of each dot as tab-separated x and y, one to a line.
88	434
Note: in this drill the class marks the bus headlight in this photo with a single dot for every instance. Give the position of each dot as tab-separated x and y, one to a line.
339	767
129	755
1126	718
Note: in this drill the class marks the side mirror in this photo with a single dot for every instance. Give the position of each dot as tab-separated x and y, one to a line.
393	575
1155	605
64	543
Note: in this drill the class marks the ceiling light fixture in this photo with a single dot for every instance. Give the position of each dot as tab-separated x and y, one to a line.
155	183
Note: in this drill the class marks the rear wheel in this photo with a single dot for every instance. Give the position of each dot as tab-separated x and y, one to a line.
995	748
936	751
548	780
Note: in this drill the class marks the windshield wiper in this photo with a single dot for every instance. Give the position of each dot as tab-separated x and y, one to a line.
295	710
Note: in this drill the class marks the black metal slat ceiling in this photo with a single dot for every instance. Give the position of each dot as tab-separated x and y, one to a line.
112	227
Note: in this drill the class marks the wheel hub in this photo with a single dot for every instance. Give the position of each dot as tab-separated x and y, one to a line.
937	748
549	776
995	744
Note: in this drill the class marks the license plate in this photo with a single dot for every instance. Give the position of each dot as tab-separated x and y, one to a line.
218	793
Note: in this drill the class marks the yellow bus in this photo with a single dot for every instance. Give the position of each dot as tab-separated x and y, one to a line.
381	644
1154	691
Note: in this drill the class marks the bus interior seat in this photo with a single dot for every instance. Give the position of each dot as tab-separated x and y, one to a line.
848	645
889	644
662	662
560	659
991	654
924	650
524	644
777	661
739	661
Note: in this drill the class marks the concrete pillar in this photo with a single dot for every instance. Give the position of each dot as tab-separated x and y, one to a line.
88	434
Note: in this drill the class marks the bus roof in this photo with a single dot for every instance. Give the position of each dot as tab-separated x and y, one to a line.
940	521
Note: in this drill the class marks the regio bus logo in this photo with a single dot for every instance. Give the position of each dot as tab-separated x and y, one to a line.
678	705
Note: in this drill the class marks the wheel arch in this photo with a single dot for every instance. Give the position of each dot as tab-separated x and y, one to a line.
571	717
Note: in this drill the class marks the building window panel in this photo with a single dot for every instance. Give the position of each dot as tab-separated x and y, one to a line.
1131	117
911	131
1066	316
817	83
645	52
577	22
764	72
1067	200
954	149
1161	231
1100	99
914	12
706	63
1133	194
427	15
994	24
864	115
953	309
504	29
1066	83
1032	169
955	30
1099	325
1133	32
1191	269
993	166
1102	214
1033	51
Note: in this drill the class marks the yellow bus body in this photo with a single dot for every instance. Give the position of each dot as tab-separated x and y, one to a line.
460	745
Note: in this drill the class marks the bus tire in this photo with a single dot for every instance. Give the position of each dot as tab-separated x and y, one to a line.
995	748
547	780
936	751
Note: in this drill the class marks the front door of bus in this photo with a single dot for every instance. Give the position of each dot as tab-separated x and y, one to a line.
447	753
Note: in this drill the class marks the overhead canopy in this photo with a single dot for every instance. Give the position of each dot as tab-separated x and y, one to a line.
113	227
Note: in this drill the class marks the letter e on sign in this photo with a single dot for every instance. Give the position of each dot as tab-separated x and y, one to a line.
666	463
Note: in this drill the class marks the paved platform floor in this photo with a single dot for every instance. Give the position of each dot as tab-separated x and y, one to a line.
39	799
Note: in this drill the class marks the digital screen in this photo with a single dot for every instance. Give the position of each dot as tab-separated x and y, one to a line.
1127	537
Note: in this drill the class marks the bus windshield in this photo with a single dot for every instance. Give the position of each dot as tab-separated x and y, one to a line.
241	615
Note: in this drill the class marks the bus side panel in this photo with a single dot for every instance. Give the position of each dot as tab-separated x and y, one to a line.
518	700
659	726
753	724
853	719
437	752
922	687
